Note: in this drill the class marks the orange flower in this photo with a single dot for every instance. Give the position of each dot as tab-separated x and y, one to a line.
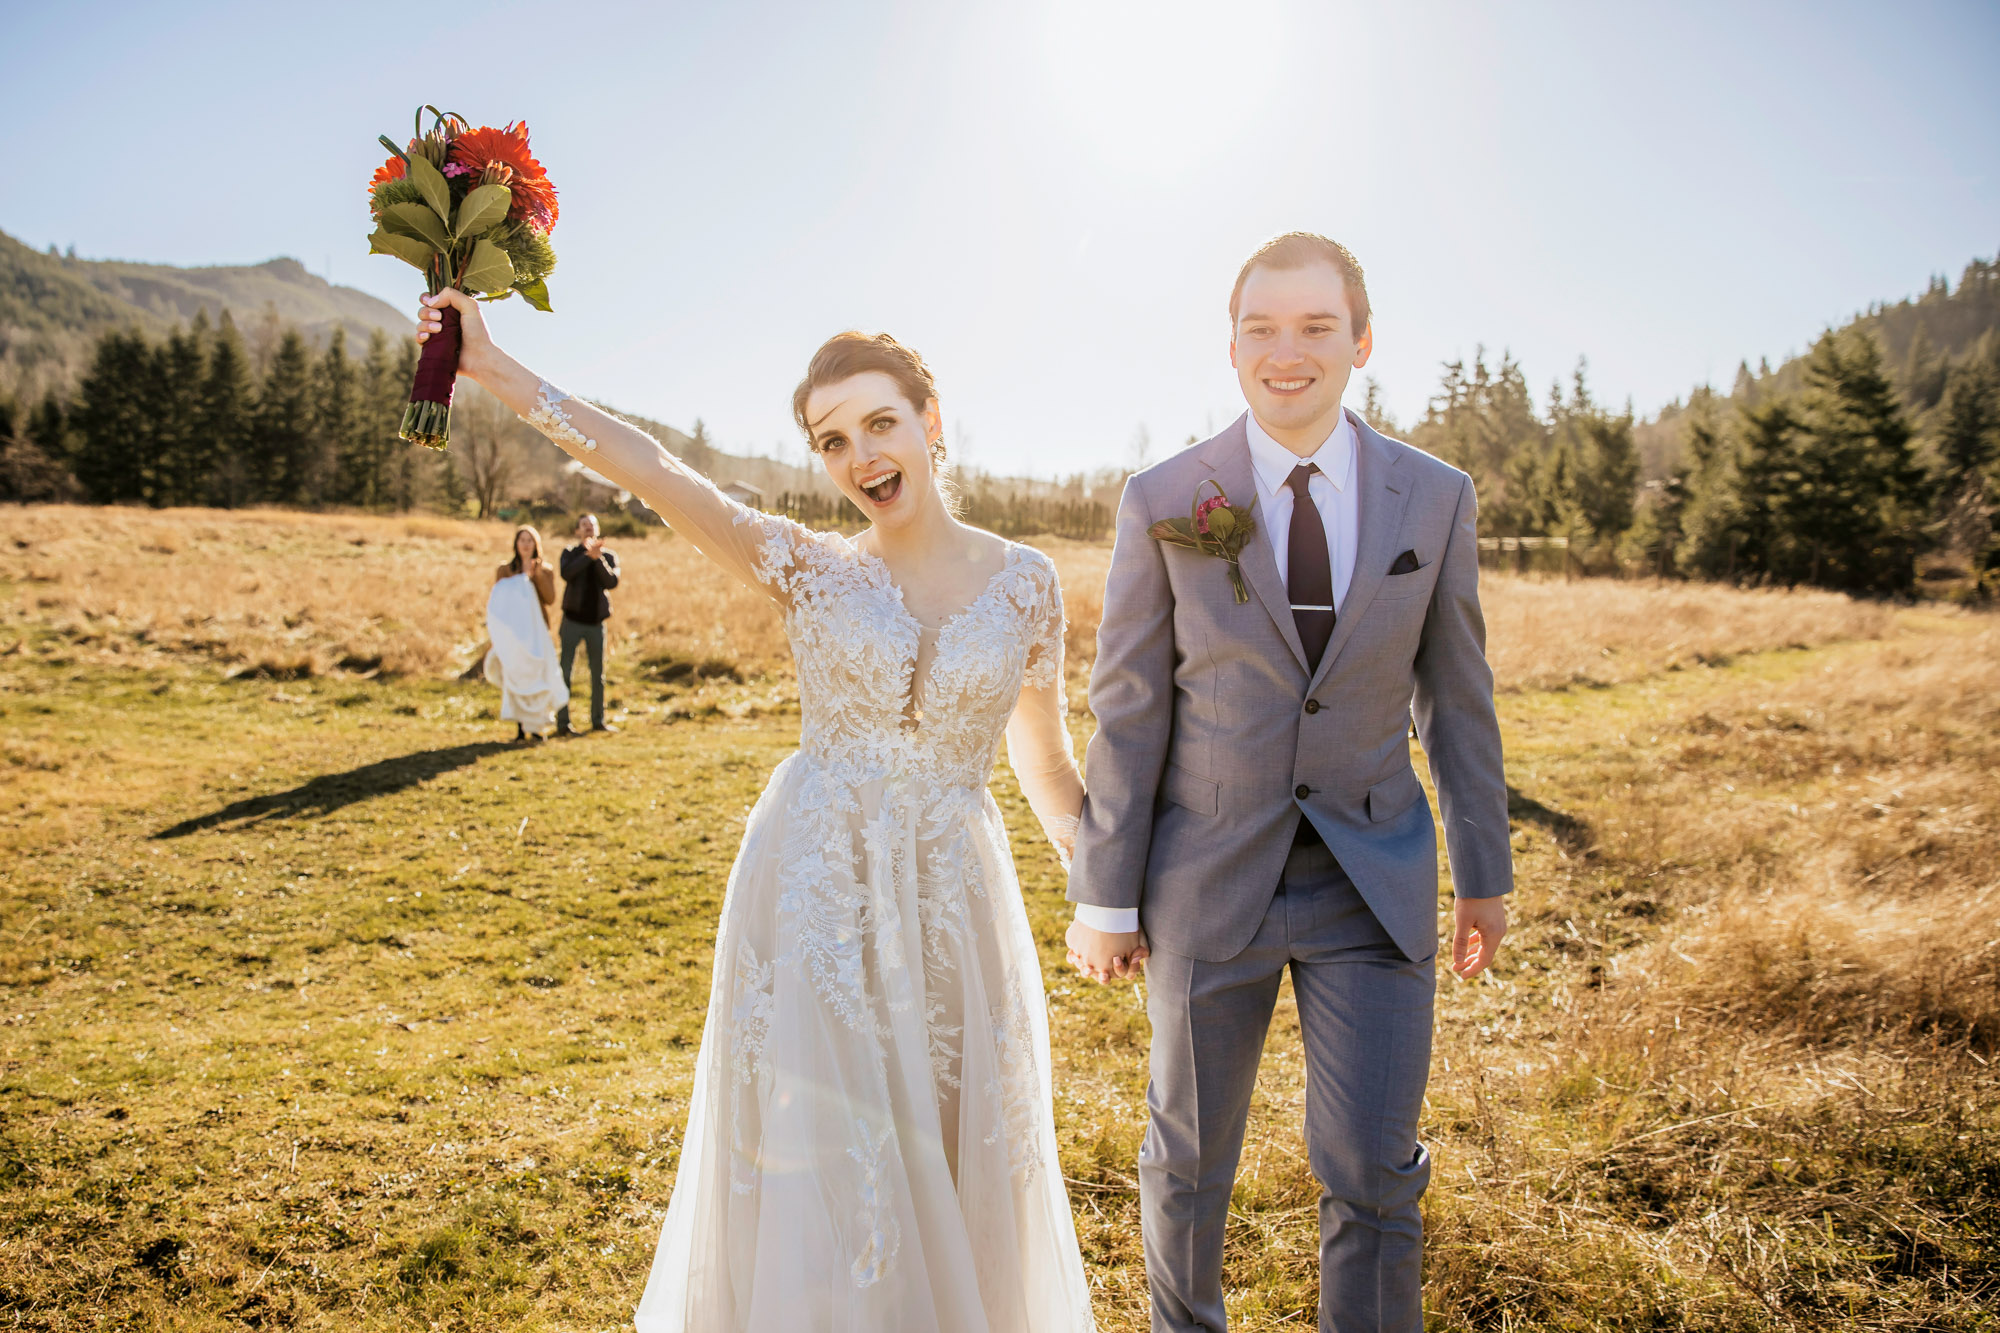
391	170
534	197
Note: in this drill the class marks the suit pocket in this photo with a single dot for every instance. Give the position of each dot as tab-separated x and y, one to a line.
1394	586
1190	792
1388	799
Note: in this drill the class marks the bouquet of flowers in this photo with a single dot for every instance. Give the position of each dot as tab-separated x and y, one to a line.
472	209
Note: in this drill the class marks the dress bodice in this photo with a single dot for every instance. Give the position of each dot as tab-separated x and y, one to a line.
879	695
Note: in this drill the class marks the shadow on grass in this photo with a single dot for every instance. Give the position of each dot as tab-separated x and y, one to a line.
1571	834
324	795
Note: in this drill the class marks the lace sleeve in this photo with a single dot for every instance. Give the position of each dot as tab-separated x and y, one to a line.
759	548
1038	740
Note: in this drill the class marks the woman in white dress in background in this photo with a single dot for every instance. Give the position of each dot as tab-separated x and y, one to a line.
870	1142
522	659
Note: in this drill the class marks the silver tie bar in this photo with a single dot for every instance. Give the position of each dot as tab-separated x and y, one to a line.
1297	607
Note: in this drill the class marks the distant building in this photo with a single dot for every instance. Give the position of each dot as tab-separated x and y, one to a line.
744	493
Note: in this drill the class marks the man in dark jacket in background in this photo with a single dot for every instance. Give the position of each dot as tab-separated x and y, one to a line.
589	571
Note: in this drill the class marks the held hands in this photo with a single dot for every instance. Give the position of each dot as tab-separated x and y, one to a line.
1479	926
1102	956
476	347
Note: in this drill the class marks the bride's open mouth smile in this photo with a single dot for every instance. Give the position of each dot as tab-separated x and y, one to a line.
884	489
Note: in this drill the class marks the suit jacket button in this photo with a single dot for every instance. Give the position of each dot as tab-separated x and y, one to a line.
1302	791
1312	705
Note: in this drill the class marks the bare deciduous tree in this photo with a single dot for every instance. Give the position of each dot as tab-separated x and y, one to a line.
481	430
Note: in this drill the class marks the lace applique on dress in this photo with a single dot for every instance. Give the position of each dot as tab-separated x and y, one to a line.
549	418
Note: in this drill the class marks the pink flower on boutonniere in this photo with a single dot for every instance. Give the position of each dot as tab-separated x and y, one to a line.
1213	527
1207	507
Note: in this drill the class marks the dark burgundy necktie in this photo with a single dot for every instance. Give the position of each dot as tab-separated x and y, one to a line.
1309	569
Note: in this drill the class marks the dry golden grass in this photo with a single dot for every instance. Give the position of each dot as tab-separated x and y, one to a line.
1543	633
323	1009
289	594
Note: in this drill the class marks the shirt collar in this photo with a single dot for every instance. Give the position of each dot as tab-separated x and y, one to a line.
1274	462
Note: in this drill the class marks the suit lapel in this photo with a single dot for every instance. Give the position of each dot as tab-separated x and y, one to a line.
1384	495
1229	455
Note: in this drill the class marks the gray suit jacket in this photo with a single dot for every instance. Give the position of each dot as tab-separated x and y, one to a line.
1212	737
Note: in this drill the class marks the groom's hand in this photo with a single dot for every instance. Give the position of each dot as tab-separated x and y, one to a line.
1480	925
1103	956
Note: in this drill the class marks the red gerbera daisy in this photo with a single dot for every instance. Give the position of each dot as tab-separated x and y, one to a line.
534	197
391	170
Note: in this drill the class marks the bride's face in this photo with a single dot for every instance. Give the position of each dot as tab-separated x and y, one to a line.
876	446
524	546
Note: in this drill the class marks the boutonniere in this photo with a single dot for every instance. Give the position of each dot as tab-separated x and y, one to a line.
1214	527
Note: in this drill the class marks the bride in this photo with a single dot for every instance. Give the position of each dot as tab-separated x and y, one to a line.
870	1142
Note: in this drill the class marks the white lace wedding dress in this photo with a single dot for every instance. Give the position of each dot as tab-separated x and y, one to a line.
522	660
870	1143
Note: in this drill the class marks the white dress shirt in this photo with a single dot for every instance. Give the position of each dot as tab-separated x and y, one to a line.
1334	492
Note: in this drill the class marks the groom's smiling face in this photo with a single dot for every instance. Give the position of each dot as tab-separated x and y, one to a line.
1294	347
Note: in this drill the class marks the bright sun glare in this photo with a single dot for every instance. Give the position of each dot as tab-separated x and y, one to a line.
1155	85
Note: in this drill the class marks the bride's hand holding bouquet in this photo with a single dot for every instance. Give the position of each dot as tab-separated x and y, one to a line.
476	349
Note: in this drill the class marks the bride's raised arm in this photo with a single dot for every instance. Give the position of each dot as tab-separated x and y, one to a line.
750	544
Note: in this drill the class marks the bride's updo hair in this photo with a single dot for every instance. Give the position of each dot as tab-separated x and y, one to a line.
845	355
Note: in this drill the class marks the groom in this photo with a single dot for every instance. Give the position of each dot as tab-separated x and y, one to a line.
1252	804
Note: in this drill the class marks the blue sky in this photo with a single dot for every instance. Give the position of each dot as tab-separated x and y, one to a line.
1049	198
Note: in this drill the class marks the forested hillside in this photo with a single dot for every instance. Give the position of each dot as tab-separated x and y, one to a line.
1865	464
53	308
1870	464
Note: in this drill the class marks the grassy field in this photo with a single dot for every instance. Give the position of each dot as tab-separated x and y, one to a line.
323	1008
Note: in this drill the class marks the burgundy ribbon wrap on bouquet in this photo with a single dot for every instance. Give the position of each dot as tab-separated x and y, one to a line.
427	420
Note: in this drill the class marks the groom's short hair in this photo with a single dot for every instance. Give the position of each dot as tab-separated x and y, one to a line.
1296	249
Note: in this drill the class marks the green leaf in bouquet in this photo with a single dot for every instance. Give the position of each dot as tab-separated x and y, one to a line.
417	220
437	190
481	209
535	293
1175	531
489	269
406	248
1221	524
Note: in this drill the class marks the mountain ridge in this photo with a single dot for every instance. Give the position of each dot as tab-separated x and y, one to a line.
53	307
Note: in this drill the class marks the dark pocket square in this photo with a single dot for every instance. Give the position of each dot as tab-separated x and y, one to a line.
1406	563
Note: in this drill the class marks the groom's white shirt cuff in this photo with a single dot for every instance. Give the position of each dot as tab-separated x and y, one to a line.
1110	920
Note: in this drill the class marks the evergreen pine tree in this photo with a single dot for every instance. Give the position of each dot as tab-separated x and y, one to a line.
1745	389
47	428
1924	373
283	469
185	456
116	455
28	473
1703	495
365	478
335	423
228	403
1758	545
1968	446
1852	503
1968	436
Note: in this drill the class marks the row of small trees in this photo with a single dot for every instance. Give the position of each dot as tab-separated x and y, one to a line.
1834	469
1005	509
